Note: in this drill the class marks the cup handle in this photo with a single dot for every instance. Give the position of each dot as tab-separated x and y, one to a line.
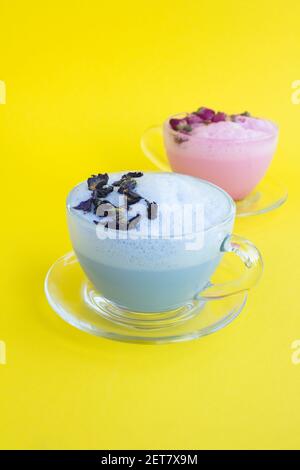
150	147
253	263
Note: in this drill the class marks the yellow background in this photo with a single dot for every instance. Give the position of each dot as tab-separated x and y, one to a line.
84	78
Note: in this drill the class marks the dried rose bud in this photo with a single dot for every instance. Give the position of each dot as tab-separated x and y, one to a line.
193	119
218	117
205	113
180	125
174	123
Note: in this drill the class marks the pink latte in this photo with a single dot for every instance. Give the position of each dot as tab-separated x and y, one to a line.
233	152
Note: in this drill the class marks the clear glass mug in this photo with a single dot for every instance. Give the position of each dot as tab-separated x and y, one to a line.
162	273
234	165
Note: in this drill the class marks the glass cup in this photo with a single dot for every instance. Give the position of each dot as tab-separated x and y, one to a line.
161	272
235	165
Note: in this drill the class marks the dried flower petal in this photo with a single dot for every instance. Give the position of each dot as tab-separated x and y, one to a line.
135	174
103	191
180	125
85	206
219	117
101	179
117	216
127	184
127	177
205	113
174	123
132	198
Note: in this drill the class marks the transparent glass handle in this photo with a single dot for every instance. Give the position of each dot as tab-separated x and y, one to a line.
253	264
150	143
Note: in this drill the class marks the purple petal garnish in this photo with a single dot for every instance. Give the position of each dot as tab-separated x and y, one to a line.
128	177
174	123
127	184
134	174
97	180
219	117
85	206
101	207
180	125
206	114
132	197
103	191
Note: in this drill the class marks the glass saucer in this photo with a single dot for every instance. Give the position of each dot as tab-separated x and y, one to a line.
75	300
267	196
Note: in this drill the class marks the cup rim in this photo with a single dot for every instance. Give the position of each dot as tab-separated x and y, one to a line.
185	113
230	216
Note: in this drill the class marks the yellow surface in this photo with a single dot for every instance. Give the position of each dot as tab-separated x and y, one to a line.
83	80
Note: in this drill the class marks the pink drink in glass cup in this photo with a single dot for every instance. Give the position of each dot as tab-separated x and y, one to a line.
233	152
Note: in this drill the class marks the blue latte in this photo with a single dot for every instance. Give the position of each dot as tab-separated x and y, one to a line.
162	263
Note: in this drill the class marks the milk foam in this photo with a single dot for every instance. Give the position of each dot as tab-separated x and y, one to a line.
244	129
166	189
154	252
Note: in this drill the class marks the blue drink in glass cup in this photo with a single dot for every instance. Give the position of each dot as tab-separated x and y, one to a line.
164	262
